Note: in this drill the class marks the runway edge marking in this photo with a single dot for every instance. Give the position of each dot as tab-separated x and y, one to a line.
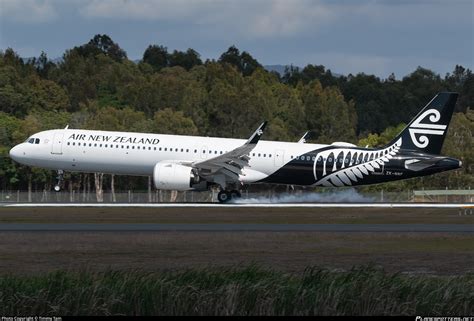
264	205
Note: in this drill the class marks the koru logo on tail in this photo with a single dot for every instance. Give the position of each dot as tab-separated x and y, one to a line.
423	129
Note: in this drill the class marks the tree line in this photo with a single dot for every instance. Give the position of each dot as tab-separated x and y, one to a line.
96	86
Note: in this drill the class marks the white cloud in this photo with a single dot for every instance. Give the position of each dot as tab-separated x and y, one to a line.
288	18
145	9
264	18
27	11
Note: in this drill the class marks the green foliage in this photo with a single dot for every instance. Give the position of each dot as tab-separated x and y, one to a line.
251	290
376	140
167	121
244	62
159	58
328	115
102	44
156	56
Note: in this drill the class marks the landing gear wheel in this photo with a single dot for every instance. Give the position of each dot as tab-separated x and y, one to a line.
235	194
60	179
224	196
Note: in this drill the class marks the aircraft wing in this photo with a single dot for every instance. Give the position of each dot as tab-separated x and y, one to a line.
231	163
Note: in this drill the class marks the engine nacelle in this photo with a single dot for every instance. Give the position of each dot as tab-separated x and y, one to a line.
171	176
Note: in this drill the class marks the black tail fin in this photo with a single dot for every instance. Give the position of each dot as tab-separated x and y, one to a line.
427	130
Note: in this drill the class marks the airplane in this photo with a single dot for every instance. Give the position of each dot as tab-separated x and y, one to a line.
179	162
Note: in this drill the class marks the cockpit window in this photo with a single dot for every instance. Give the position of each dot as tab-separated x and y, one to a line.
31	140
37	141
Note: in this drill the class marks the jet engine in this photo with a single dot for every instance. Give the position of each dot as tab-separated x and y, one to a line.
171	176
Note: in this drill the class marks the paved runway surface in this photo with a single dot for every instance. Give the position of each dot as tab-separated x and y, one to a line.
251	205
453	228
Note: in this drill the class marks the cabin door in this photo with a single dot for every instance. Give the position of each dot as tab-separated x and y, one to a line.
279	158
57	147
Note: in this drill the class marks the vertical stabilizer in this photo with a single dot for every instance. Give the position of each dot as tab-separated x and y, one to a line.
426	132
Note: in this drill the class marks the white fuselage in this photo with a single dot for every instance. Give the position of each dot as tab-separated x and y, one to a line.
128	153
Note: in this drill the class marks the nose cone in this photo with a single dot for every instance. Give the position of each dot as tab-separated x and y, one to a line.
16	153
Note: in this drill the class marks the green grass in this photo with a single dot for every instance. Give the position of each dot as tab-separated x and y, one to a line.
248	290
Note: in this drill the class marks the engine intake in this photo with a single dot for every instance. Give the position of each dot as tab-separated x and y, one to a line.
171	176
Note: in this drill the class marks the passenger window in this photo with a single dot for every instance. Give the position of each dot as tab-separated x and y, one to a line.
133	147
128	147
221	152
195	151
253	154
90	144
175	149
258	155
270	155
73	144
166	149
68	143
187	150
264	155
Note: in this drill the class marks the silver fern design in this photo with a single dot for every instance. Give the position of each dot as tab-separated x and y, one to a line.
344	167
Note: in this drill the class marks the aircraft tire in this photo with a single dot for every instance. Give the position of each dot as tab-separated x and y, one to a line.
224	196
235	194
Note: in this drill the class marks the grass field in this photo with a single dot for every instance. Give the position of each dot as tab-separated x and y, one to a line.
250	290
419	253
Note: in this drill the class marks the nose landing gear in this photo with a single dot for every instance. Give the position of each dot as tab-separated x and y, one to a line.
60	179
226	196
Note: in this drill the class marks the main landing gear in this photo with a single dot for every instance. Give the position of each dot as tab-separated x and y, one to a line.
60	179
225	196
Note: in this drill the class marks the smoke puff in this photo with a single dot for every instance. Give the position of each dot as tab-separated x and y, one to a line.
345	196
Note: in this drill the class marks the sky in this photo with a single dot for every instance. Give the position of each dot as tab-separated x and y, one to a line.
346	36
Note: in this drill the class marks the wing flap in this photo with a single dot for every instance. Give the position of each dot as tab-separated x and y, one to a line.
231	163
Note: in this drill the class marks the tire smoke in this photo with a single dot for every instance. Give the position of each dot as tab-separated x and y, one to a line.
345	196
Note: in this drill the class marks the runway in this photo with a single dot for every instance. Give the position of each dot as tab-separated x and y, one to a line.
140	227
246	205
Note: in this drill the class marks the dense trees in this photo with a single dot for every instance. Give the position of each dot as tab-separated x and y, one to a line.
95	86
